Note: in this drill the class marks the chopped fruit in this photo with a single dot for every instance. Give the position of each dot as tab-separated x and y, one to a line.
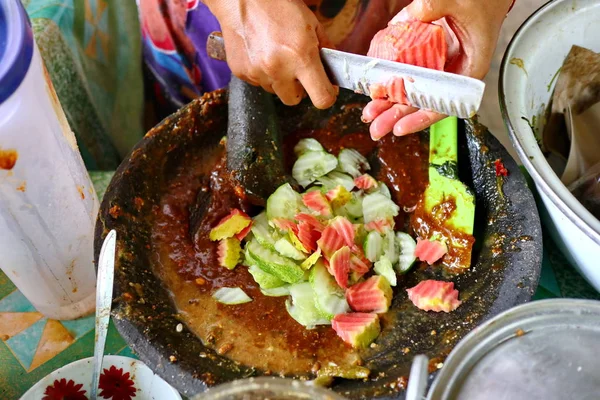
373	295
500	168
340	266
330	241
296	242
377	206
434	295
345	229
312	260
373	246
384	268
338	196
272	263
430	250
231	296
308	236
240	236
229	252
357	329
317	202
311	220
285	247
411	42
346	372
312	165
379	225
352	162
230	225
283	225
264	280
365	182
359	264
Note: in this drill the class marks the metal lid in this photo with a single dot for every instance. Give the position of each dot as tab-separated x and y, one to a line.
16	46
547	349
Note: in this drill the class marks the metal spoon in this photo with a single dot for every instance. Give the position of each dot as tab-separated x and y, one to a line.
104	290
417	380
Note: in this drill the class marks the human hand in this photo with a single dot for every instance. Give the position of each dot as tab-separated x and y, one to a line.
472	28
275	44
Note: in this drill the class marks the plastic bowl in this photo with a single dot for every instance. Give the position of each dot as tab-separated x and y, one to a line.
532	59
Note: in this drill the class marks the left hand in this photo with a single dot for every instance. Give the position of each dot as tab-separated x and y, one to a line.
476	24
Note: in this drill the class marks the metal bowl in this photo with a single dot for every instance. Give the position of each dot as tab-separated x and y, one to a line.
542	43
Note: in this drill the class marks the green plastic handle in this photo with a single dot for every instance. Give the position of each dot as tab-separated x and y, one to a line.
443	137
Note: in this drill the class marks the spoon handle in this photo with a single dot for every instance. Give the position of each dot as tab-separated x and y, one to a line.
104	290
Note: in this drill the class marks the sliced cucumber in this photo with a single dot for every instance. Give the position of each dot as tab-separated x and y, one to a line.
312	165
377	206
352	209
384	268
352	162
285	203
263	232
276	292
302	306
305	145
382	189
407	252
287	249
272	263
264	280
231	296
329	297
373	246
391	249
341	179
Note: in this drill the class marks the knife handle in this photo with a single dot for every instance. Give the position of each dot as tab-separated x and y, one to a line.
215	46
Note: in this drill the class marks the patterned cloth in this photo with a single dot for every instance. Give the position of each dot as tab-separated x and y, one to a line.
92	51
174	36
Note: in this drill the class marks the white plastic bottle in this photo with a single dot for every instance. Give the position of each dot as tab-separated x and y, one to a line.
48	205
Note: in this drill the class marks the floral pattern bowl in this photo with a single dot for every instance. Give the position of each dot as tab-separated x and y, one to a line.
122	378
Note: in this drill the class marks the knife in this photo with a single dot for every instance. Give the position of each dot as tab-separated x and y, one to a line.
428	89
104	291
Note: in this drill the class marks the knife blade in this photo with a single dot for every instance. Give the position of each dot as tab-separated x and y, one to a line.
428	89
104	291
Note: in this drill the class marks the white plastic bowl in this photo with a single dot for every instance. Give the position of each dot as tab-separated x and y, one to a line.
542	43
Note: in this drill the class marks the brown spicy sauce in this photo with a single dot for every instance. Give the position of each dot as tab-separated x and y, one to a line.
261	333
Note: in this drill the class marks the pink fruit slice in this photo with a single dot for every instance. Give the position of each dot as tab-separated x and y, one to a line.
330	242
340	266
379	225
430	250
311	220
373	295
308	236
240	236
365	182
228	252
230	225
359	264
317	202
432	295
284	225
411	42
345	229
357	329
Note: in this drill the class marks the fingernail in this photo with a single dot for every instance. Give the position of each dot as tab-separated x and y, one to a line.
365	119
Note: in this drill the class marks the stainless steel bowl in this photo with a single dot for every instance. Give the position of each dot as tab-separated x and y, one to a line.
532	59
